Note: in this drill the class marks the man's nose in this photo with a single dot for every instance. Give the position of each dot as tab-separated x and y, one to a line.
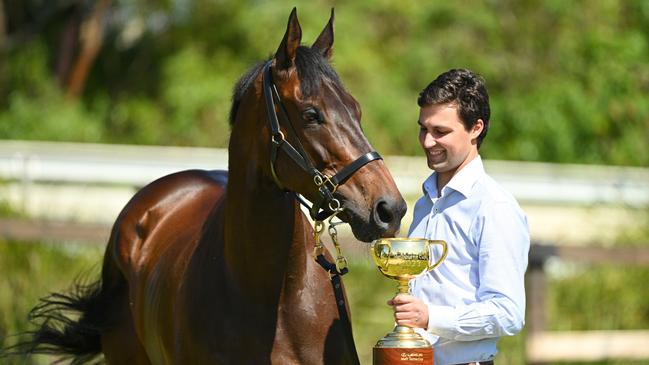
429	141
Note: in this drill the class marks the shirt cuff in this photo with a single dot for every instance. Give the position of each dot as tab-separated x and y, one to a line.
441	319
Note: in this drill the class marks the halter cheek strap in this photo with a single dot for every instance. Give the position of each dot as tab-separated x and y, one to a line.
325	184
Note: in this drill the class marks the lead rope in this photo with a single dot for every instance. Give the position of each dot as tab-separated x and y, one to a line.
335	270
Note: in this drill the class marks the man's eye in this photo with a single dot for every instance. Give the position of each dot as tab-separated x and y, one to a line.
312	115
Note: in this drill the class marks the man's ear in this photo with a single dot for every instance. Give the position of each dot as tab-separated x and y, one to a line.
477	128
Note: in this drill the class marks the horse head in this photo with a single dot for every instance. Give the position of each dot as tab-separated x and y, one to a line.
317	146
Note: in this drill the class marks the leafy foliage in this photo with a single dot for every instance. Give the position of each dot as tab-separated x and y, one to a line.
567	79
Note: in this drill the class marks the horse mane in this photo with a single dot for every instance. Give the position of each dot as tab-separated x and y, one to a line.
312	68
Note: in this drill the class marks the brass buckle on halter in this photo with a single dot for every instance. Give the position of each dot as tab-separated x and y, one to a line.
322	180
334	206
277	138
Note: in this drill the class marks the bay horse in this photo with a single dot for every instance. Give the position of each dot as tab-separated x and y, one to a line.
215	267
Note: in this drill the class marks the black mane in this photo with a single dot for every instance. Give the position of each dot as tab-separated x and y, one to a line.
312	68
240	88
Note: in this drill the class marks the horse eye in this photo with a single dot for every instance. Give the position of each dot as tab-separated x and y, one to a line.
312	115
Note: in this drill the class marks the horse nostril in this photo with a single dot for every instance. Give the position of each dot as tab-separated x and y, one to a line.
383	212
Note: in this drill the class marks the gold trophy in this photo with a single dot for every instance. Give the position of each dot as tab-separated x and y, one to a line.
403	259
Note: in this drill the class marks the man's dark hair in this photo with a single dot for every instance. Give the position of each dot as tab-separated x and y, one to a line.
467	91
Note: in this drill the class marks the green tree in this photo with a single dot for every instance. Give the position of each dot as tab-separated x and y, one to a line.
567	79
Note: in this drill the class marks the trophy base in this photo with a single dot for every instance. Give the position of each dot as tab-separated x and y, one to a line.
403	346
402	356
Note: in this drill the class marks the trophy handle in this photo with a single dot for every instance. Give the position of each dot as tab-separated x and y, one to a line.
444	253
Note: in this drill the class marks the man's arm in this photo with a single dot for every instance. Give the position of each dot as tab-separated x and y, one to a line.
499	309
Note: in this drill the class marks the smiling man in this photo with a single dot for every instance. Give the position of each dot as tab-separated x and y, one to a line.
477	294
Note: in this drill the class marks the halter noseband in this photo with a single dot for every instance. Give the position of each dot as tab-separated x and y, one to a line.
326	185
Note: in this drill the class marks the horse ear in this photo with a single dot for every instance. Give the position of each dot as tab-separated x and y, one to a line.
286	52
325	41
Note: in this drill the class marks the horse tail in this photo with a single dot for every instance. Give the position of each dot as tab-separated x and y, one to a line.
68	324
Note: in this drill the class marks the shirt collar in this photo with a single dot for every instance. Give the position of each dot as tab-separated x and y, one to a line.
462	182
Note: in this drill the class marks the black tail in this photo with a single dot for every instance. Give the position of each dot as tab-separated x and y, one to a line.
68	325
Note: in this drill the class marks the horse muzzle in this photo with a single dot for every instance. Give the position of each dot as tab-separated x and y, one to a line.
382	220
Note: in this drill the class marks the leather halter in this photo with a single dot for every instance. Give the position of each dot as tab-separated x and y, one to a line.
325	184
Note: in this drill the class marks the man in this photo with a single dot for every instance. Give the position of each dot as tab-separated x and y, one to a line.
477	294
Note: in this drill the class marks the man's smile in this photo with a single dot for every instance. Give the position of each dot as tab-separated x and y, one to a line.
436	155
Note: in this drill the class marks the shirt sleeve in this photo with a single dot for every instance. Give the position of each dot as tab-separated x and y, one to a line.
502	235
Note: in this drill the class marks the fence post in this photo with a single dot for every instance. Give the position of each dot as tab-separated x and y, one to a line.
536	295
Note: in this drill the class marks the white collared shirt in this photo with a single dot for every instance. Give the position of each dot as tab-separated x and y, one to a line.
477	294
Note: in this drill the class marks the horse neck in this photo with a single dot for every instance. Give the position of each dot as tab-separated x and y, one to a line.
266	233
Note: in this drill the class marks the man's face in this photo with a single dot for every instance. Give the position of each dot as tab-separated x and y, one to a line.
447	144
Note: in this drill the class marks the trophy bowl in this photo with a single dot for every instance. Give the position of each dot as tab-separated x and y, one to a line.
403	259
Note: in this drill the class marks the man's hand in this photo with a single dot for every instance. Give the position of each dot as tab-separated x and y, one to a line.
409	311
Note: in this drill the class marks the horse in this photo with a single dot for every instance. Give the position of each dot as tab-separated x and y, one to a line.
215	267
